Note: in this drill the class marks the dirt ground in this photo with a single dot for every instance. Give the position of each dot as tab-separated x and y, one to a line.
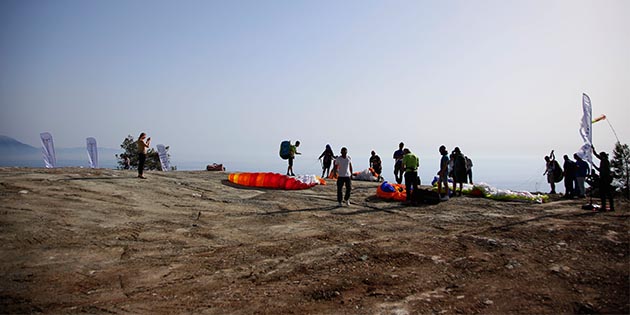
104	242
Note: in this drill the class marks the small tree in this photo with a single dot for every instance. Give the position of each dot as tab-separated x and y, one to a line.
130	147
619	167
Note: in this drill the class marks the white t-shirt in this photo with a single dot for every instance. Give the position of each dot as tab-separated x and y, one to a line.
344	166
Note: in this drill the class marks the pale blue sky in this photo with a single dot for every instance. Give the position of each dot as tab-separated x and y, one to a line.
229	80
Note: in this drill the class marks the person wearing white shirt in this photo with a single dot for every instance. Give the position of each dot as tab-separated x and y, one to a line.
344	171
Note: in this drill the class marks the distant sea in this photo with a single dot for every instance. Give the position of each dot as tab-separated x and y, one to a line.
521	173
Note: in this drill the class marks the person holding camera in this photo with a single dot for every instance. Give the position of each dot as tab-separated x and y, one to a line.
143	145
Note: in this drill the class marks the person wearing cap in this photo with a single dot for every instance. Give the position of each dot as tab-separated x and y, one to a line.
605	180
410	163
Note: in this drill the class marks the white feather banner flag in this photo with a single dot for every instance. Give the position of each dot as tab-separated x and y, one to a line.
92	151
163	154
48	150
586	131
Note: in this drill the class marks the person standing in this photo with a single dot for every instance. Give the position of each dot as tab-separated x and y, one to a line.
569	177
469	165
292	152
582	170
143	144
443	173
375	164
410	163
459	170
328	156
398	156
343	165
605	180
549	171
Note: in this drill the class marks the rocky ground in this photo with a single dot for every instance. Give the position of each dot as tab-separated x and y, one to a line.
105	242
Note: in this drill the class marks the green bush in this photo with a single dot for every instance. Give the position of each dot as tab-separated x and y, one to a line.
619	167
130	148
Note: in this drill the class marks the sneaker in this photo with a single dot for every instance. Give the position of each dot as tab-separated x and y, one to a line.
142	177
348	203
445	198
340	204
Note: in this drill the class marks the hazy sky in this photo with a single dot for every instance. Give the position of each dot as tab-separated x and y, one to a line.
220	79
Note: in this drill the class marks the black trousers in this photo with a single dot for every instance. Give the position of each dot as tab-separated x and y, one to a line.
606	191
344	181
411	180
142	158
568	186
398	172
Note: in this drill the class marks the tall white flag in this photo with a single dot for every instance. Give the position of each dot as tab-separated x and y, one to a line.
586	131
48	150
92	151
163	154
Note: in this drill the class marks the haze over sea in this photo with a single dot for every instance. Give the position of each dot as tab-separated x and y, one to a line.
515	173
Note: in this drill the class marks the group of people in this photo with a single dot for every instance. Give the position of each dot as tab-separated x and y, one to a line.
456	166
575	174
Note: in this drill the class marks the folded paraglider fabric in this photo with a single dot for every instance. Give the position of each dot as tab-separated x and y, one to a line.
387	190
366	175
275	180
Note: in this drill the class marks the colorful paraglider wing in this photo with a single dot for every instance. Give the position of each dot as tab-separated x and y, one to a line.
391	191
274	180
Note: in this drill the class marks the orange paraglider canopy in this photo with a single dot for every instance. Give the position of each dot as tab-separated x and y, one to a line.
391	191
275	180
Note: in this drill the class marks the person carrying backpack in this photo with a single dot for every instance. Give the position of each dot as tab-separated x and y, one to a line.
549	171
293	151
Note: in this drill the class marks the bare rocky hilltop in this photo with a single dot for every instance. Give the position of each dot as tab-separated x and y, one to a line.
104	242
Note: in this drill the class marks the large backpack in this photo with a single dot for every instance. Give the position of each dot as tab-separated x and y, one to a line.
425	196
557	172
285	149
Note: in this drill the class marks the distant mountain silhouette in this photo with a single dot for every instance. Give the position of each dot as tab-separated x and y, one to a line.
11	146
16	153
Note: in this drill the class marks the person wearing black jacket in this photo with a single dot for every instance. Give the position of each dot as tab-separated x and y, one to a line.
569	177
605	180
